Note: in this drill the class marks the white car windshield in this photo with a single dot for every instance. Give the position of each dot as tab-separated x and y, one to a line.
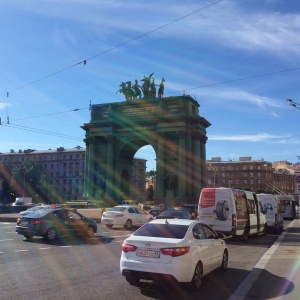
169	231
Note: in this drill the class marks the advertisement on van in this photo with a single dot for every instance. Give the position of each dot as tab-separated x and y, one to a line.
215	208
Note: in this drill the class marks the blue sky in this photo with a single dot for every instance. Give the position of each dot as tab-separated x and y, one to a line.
203	48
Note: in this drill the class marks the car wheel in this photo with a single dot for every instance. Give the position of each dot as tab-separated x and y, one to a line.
224	265
28	236
51	234
133	280
108	226
128	224
197	277
90	231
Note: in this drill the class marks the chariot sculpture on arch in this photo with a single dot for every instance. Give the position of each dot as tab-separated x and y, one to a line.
148	88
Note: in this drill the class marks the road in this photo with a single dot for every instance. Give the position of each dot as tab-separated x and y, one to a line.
76	268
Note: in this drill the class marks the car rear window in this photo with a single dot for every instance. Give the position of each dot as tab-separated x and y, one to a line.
174	213
169	231
38	213
117	209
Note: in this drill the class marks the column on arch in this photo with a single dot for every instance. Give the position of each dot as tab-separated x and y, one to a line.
110	166
189	167
203	160
197	169
86	168
91	167
160	159
182	165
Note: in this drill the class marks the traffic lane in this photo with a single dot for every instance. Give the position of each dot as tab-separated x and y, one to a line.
37	270
99	262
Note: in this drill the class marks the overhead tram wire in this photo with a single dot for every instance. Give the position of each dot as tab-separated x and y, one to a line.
235	80
42	131
111	49
51	114
293	103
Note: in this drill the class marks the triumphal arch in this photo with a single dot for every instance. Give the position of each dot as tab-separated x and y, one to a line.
171	125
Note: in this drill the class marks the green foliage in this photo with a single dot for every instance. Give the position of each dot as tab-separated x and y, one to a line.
151	173
29	180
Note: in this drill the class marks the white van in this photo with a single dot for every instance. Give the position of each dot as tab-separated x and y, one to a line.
233	212
288	206
272	206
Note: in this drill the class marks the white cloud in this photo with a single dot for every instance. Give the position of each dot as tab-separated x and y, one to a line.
227	95
246	138
4	105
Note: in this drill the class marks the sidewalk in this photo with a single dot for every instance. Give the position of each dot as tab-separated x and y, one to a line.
277	274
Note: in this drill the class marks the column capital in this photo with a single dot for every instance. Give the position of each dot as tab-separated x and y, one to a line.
203	139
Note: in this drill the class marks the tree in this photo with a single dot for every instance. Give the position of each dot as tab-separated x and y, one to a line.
31	181
150	173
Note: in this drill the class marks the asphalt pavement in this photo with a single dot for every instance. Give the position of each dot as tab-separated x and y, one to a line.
275	276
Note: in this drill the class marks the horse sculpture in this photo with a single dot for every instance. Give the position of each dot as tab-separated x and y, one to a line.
126	90
132	92
161	88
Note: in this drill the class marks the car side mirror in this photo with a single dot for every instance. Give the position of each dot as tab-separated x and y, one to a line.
221	235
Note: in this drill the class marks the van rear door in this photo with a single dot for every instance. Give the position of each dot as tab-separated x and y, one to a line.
215	208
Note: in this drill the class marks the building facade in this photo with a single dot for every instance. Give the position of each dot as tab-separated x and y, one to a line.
65	168
254	175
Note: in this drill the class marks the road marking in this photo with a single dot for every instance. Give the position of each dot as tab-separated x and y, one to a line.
46	248
6	240
66	246
21	250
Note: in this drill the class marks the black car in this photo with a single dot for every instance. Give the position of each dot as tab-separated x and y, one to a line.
54	221
175	214
156	210
191	208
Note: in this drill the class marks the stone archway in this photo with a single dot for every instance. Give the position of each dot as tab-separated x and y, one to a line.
172	126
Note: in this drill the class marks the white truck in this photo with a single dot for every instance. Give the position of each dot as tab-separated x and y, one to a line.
233	212
272	207
22	201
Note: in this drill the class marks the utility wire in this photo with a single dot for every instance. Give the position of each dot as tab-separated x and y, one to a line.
51	114
293	103
111	49
42	131
235	80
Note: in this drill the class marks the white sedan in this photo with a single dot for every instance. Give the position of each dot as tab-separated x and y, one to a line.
125	215
173	250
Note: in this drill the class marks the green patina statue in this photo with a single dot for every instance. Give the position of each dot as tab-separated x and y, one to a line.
148	88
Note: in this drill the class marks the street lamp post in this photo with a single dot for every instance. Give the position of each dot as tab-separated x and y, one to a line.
24	173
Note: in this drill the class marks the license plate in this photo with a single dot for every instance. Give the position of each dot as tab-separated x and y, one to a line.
148	253
24	223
